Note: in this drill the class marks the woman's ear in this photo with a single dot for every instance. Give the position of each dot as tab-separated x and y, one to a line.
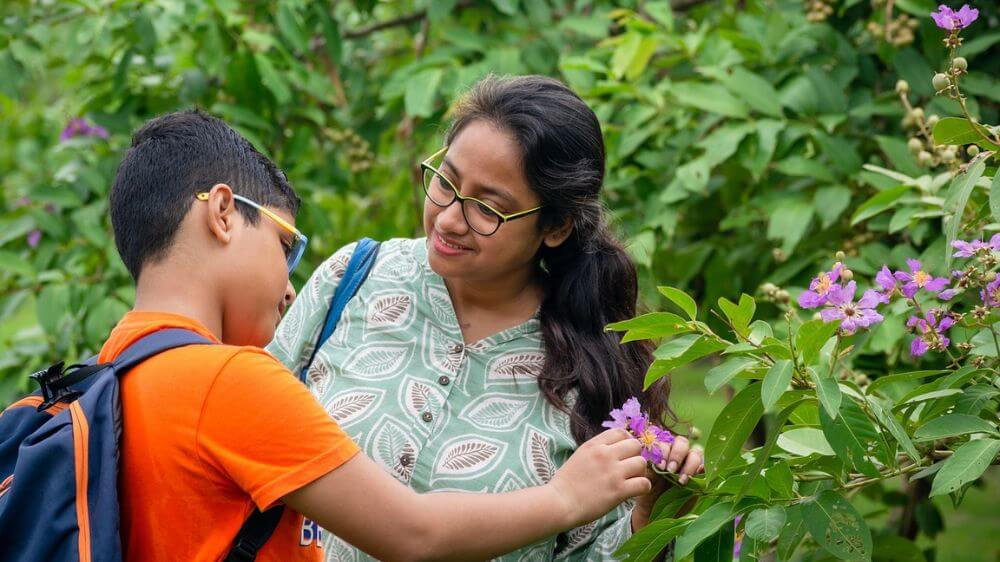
557	235
221	215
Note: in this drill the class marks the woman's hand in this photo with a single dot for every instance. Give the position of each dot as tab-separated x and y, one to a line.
679	458
602	473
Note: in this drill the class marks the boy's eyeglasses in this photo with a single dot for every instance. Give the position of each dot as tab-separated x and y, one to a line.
481	217
294	251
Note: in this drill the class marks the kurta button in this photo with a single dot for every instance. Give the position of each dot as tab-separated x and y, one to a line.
405	460
456	348
443	380
427	416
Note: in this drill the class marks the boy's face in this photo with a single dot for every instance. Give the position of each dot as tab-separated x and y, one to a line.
253	271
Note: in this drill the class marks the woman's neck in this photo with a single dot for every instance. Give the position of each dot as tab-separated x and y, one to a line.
484	308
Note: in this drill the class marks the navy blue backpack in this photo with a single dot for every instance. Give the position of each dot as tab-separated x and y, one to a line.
59	451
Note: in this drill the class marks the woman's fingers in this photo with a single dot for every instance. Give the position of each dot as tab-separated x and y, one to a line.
694	464
626	448
678	451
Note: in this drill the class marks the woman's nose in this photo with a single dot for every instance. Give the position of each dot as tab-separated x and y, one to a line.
450	219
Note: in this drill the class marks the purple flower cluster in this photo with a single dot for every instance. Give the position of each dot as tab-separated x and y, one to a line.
838	300
950	20
917	279
79	127
632	419
975	247
930	332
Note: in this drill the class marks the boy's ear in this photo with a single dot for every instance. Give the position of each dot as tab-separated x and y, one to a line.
556	236
221	214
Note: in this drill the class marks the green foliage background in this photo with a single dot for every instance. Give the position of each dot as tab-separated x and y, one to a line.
737	134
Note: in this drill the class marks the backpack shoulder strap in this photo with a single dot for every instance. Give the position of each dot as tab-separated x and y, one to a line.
155	343
358	268
254	533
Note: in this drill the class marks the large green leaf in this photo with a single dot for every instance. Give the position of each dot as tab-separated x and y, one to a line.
681	299
959	193
805	441
792	533
952	425
959	130
775	383
731	429
880	202
850	436
703	527
719	376
718	547
811	337
966	465
890	423
741	314
995	197
420	95
648	542
838	527
650	326
691	347
712	98
765	524
759	94
828	392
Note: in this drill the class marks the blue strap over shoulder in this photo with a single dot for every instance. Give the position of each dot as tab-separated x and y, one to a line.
357	271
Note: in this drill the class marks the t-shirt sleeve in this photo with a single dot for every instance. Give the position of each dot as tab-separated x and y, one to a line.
262	429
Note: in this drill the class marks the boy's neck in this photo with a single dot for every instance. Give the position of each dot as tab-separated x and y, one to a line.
164	289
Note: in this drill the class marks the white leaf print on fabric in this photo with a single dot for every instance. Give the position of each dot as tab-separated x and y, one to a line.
559	423
418	397
572	540
539	553
395	267
516	366
437	349
337	550
376	361
389	310
388	445
318	378
508	482
536	454
353	406
468	455
440	305
496	411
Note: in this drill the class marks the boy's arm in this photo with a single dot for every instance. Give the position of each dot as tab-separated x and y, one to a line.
296	335
363	505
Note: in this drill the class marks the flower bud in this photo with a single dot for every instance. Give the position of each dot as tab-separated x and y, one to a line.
932	120
783	297
990	276
948	156
695	433
941	82
972	150
817	316
915	145
840	255
847	275
768	288
925	158
861	379
779	255
917	113
960	64
902	87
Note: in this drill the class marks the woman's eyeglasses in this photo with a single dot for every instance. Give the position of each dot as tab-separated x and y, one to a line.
481	217
293	251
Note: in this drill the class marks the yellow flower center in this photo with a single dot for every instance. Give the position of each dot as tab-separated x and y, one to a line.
824	285
647	438
921	278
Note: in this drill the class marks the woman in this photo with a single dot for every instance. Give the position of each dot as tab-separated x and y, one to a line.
476	359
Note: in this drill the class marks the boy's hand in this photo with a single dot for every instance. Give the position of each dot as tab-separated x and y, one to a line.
679	458
602	473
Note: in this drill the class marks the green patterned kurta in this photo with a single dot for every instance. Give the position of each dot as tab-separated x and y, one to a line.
435	413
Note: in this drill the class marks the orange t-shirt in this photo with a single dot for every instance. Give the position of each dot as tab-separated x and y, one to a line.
209	433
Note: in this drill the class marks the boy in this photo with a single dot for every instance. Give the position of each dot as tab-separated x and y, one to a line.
205	225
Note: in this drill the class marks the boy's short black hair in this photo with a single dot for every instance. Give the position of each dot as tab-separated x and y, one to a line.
173	158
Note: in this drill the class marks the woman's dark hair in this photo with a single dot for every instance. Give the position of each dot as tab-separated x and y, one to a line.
589	280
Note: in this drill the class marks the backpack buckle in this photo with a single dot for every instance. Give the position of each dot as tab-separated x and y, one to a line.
242	551
51	393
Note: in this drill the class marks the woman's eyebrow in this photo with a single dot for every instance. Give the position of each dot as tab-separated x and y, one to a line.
497	192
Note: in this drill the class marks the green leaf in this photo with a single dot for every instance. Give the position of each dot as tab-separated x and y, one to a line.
961	189
670	502
718	547
812	336
291	28
850	435
681	299
650	326
331	30
959	131
759	94
762	455
776	382
51	306
899	377
15	264
641	58
966	465
800	166
739	315
720	375
899	155
995	197
731	429
706	525
889	421
828	392
792	533
272	80
789	221
830	203
765	524
508	7
779	478
103	318
419	97
805	441
882	201
693	350
838	527
649	541
712	98
951	425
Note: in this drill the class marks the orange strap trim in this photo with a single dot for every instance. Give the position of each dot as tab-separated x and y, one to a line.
36	401
81	457
6	484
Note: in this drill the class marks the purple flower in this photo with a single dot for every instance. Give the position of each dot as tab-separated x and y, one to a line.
918	279
991	294
34	237
995	243
853	316
948	294
821	287
949	19
738	540
930	333
886	284
79	127
632	419
967	249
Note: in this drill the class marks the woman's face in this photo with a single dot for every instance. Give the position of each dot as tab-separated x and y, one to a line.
483	162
